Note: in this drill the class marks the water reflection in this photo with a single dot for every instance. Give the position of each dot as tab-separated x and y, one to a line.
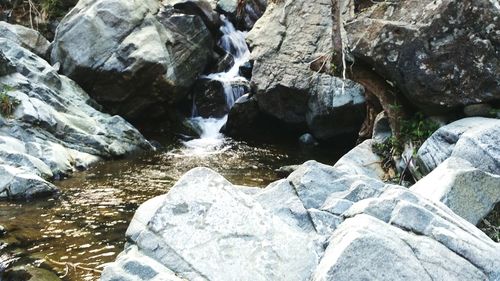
87	222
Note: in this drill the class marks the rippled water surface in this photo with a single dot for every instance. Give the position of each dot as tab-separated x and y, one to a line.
85	225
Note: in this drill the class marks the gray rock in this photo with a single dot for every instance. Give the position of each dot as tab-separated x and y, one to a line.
26	37
227	229
365	248
16	183
432	50
135	60
244	118
210	96
243	13
291	49
308	139
53	129
432	221
321	223
469	192
474	139
381	128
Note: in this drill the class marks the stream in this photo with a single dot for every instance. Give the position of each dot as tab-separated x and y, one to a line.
85	225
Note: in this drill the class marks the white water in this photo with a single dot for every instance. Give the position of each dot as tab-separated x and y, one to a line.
211	141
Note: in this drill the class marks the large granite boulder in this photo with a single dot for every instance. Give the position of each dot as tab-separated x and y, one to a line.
49	127
321	223
292	52
136	58
441	54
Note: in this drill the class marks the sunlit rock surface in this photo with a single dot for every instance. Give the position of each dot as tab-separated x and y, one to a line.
320	223
49	127
136	58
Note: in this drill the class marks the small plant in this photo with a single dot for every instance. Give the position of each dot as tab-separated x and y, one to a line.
7	103
411	133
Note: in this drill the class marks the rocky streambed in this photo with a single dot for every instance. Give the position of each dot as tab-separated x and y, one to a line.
416	82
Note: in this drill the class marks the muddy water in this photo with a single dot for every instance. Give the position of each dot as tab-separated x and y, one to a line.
87	222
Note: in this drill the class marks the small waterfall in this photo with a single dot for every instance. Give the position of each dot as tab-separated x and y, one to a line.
211	140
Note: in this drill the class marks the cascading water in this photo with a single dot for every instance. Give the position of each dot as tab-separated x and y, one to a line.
211	140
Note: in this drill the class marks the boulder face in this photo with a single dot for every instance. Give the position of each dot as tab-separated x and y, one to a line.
320	223
136	58
49	127
291	50
441	54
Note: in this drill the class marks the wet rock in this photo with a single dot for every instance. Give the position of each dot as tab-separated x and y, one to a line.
211	99
308	139
284	45
469	192
201	8
243	118
224	64
52	130
27	38
16	183
243	13
30	273
285	171
2	231
381	128
135	61
473	139
442	55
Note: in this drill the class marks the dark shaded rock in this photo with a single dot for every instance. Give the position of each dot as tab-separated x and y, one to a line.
246	70
244	118
441	54
243	13
308	139
211	99
200	8
224	64
6	66
285	44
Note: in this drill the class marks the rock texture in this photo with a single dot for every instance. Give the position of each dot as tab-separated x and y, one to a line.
441	54
474	139
243	13
469	192
136	58
320	223
49	127
26	37
292	49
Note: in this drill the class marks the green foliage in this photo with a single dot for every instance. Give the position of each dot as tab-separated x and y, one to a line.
7	103
53	8
414	131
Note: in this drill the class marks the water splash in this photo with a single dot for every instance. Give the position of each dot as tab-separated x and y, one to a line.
211	141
